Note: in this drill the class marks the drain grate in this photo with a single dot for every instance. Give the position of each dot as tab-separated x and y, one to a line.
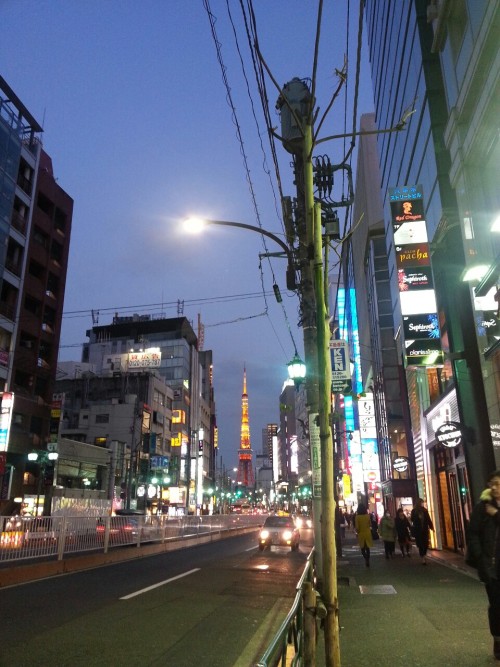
377	590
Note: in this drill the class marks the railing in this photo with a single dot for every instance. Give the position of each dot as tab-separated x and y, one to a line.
298	629
24	539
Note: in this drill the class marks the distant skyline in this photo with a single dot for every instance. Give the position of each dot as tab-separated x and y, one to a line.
137	123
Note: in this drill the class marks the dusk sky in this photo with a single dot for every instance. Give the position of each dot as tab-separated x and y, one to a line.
137	123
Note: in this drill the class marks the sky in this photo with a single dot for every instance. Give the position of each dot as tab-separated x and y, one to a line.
134	105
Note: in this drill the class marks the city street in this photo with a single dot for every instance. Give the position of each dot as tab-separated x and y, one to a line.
214	605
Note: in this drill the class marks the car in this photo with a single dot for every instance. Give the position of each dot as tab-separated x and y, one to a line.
279	531
303	521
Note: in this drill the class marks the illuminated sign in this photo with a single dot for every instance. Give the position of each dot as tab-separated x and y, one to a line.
150	358
178	417
415	278
413	254
423	325
405	192
341	373
449	434
415	282
424	351
6	405
400	464
410	232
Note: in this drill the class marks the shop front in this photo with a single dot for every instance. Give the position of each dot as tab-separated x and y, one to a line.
446	448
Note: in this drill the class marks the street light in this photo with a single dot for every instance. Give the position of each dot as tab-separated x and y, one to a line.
43	458
195	225
296	369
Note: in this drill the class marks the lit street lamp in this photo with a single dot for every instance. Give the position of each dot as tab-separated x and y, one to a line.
195	225
44	459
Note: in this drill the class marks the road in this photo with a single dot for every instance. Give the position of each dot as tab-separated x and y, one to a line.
212	605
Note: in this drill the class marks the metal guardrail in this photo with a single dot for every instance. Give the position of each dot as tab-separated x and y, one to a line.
298	628
24	539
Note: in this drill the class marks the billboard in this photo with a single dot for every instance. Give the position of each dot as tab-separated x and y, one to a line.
417	297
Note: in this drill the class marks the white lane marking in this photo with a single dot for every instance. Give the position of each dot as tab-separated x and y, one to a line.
252	548
161	583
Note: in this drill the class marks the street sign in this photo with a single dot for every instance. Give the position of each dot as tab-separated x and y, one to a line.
341	373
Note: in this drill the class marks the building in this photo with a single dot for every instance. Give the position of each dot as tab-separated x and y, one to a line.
170	347
36	215
442	172
129	414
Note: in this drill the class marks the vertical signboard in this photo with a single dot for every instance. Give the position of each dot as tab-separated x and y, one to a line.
6	405
415	281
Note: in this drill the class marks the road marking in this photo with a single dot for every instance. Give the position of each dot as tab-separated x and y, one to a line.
252	548
161	583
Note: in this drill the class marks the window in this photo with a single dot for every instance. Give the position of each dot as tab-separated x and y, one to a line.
102	418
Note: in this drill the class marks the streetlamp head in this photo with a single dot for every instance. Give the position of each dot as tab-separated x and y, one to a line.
194	225
33	456
296	370
53	456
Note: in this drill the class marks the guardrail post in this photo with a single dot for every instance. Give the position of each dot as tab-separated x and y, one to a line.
309	601
107	527
62	538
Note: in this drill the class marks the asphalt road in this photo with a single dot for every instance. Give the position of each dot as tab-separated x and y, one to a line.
212	605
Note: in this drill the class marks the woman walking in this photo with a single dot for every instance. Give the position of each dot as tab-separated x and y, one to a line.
403	527
387	531
422	525
362	525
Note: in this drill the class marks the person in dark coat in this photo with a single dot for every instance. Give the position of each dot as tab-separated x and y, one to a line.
421	527
403	531
483	545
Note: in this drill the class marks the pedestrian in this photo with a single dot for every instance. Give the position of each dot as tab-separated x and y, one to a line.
339	533
347	517
403	531
483	550
387	531
362	525
421	527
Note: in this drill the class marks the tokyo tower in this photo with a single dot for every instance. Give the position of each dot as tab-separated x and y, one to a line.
245	468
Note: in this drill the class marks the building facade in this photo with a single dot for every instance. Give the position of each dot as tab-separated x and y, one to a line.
170	347
36	216
442	62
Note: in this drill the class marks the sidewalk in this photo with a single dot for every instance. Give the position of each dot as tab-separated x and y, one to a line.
399	611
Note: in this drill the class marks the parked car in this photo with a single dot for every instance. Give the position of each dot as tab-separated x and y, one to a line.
279	531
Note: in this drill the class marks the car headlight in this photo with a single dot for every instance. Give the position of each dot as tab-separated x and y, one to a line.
309	523
298	523
287	535
264	534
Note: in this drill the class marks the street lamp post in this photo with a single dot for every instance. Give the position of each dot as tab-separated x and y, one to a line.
197	224
43	458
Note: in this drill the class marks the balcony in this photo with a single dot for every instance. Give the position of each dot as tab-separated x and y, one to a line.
19	223
25	184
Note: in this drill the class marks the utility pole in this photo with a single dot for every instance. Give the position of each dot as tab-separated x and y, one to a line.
297	110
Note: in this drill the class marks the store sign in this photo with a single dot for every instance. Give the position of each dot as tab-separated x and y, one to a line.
415	282
6	405
341	373
449	434
400	464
